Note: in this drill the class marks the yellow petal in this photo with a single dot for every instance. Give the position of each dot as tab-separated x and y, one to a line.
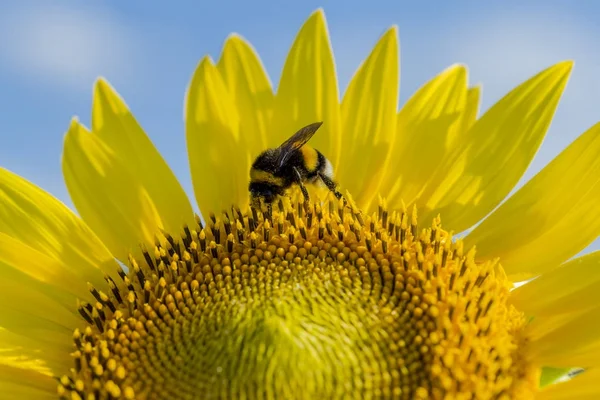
39	267
112	201
119	131
557	345
251	91
27	304
35	218
45	339
32	309
36	349
581	387
585	357
21	383
496	151
215	142
571	287
19	392
369	120
540	326
469	114
308	91
551	218
425	134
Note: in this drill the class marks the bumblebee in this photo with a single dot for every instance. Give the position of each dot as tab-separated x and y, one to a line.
293	163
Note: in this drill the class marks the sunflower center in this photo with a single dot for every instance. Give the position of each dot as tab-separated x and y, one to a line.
320	304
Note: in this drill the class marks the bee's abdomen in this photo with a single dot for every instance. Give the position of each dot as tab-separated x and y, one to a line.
325	168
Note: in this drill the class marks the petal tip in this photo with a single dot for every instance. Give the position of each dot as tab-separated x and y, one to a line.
101	80
234	42
102	85
318	13
393	30
71	132
458	68
106	102
204	65
206	60
476	88
390	34
563	68
389	40
317	18
75	127
568	64
106	93
234	37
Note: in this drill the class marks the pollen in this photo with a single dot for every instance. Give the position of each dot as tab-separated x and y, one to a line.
304	303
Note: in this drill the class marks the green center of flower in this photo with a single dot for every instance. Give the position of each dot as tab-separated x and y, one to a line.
320	304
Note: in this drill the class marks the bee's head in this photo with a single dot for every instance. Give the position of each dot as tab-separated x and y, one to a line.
262	191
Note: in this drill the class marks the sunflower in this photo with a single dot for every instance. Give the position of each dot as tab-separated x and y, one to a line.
370	297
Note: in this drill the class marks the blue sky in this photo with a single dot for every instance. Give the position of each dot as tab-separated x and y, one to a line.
51	52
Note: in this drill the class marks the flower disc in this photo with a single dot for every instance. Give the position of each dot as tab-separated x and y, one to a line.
319	304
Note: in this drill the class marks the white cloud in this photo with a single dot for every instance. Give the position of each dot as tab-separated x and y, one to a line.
59	45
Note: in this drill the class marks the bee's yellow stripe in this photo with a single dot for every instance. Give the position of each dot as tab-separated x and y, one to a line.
257	175
311	158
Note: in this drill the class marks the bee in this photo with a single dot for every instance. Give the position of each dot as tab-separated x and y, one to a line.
293	163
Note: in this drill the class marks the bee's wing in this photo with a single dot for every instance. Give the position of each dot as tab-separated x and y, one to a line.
295	142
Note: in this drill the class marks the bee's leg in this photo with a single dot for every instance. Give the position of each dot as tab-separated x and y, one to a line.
303	188
332	187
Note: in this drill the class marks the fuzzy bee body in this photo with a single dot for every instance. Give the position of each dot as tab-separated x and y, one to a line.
293	163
